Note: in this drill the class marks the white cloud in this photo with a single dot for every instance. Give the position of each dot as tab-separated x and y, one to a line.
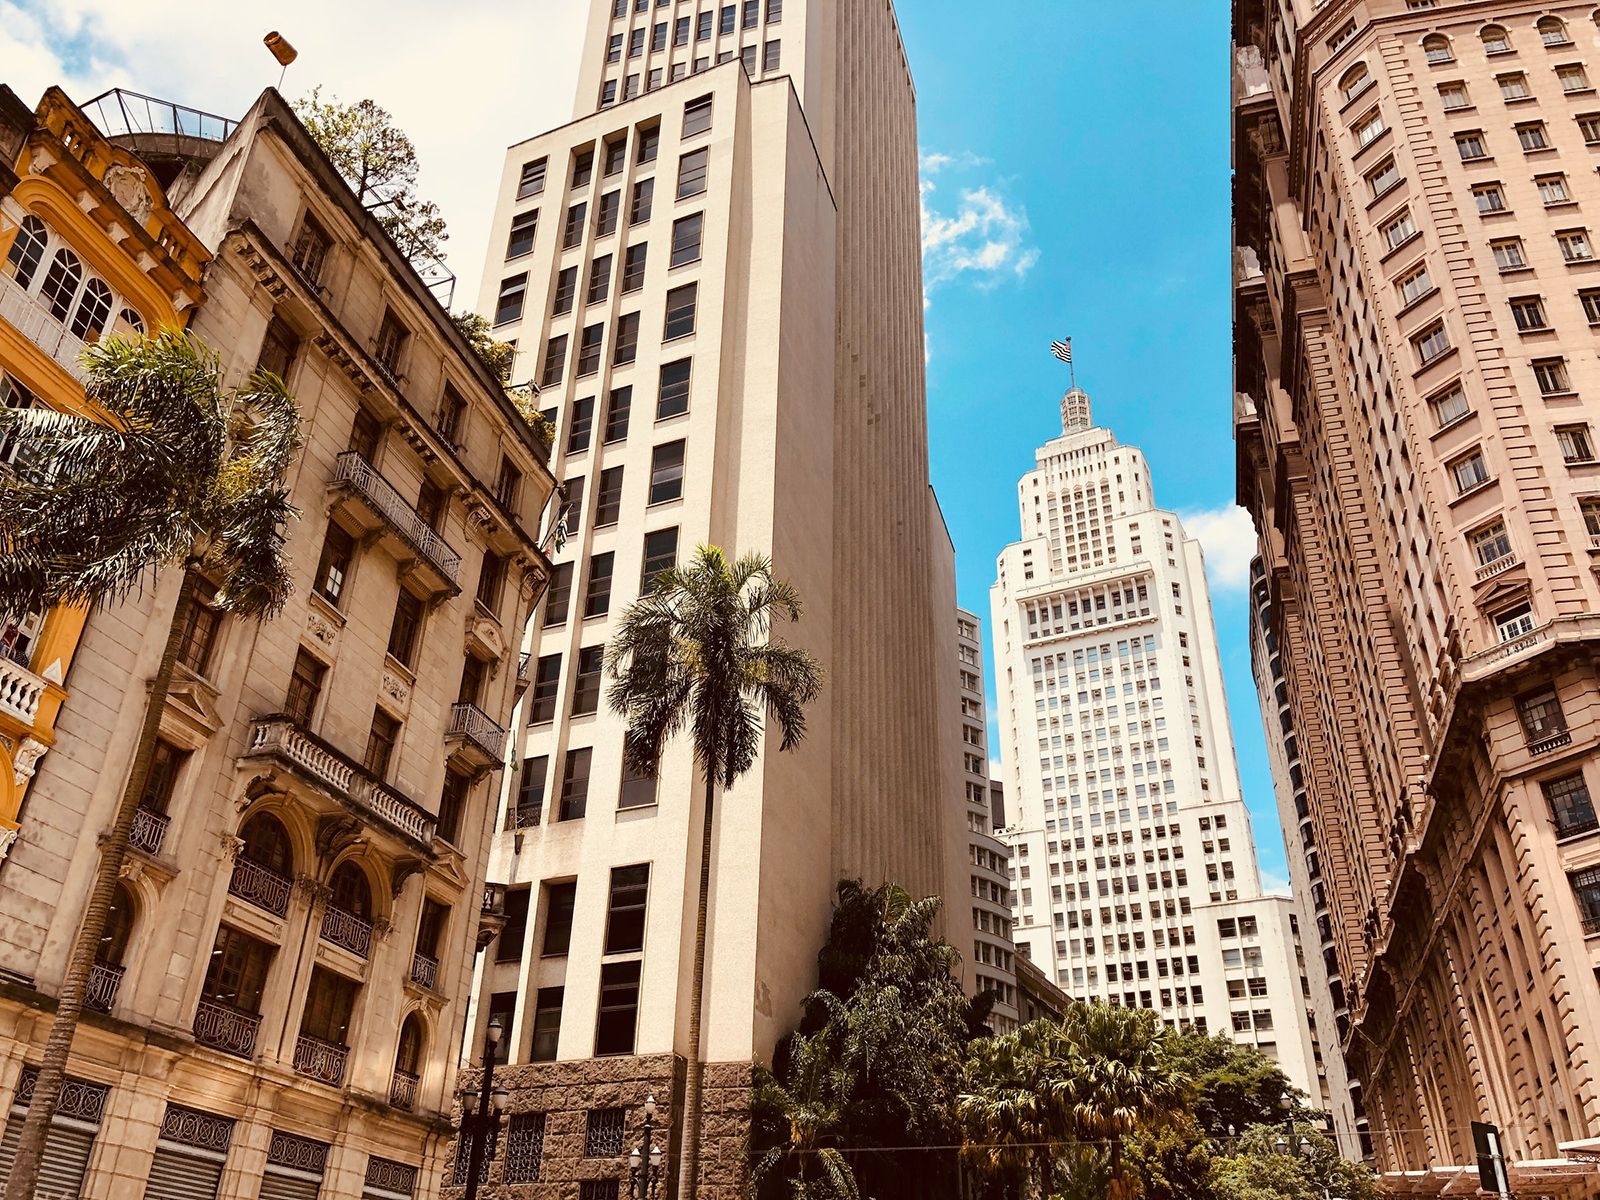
934	162
1274	884
985	237
495	72
1228	537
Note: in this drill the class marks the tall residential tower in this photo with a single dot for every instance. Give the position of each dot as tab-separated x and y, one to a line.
713	275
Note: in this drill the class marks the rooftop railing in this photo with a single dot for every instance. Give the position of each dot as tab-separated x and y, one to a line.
120	113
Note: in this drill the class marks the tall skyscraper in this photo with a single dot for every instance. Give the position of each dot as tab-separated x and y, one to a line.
713	275
1416	392
1134	870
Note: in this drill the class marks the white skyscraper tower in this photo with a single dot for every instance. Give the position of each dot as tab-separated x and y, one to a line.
1135	878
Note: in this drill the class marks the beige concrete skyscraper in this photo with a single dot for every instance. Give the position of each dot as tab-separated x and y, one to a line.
1416	297
713	274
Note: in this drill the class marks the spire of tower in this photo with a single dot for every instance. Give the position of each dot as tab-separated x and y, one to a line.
1075	411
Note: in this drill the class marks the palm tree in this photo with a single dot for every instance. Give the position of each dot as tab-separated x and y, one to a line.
807	1121
698	652
169	470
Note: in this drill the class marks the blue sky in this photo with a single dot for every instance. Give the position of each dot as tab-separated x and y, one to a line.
1093	162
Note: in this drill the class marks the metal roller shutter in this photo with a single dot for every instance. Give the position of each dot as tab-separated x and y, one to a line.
178	1174
66	1157
277	1184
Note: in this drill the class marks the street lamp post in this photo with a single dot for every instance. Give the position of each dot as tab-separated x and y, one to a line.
644	1164
479	1128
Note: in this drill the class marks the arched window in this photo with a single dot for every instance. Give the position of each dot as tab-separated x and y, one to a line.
90	320
1553	31
128	324
350	891
1437	47
408	1055
1495	39
266	844
113	945
61	283
22	260
1356	80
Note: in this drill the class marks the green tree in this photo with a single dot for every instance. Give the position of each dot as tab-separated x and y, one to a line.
493	353
1261	1166
180	473
378	161
698	653
1235	1086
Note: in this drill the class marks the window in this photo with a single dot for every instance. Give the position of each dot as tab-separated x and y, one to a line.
658	37
1551	376
1513	87
686	239
725	25
608	502
1490	543
452	408
582	424
1514	622
381	742
1489	198
638	787
633	263
523	227
1528	313
1470	145
392	337
626	349
774	11
586	688
616	156
531	181
702	32
1540	714
619	1008
1531	136
305	686
1469	471
771	55
589	352
617	410
404	628
1570	806
614	48
625	915
546	679
1415	284
491	578
333	567
599	279
1576	444
649	144
575	785
608	93
1552	32
1437	49
582	168
530	792
1399	230
1495	40
1553	189
1449	406
1431	343
524	1155
1589	506
452	803
1590	297
747	57
673	398
666	472
605	222
566	293
1369	130
636	42
558	598
1572	78
165	762
1575	245
680	31
597	595
1589	126
697	113
508	945
660	554
1454	96
643	196
199	636
560	903
572	511
546	1036
1508	254
513	292
680	312
555	355
1384	178
572	233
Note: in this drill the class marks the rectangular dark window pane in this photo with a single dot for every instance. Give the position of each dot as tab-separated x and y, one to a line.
650	140
491	578
660	552
278	348
666	472
673	398
597	597
644	193
555	360
605	222
575	785
199	637
589	350
452	408
582	423
531	182
600	279
166	760
508	945
725	25
680	31
381	742
560	900
702	33
627	342
546	679
697	113
772	56
680	312
566	291
547	1024
586	687
617	411
572	511
686	239
692	173
305	687
333	567
558	598
452	803
582	168
619	1008
530	792
633	264
572	232
403	629
616	155
608	498
625	919
523	228
638	788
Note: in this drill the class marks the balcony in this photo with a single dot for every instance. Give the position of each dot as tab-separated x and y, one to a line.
320	1060
347	930
104	980
1591	926
377	506
481	739
1553	740
1490	569
257	885
491	913
36	323
20	688
225	1028
279	737
403	1090
149	830
524	672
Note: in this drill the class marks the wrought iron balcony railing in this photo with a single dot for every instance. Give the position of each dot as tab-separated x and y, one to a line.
225	1028
260	886
381	495
319	1059
424	969
149	830
478	727
104	980
403	1090
39	325
20	688
346	929
1553	740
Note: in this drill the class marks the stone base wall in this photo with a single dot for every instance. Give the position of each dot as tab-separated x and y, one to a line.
724	1130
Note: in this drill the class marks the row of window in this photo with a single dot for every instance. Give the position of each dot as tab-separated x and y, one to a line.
769	55
1495	38
747	13
78	299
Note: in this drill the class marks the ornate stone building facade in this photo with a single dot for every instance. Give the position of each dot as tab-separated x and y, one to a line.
280	995
1416	394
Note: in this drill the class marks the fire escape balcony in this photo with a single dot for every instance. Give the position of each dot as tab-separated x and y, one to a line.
374	503
478	737
278	737
39	326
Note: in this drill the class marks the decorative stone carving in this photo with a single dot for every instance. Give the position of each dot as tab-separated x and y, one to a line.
1246	263
321	629
1250	66
396	688
231	846
128	188
25	759
43	160
8	839
403	870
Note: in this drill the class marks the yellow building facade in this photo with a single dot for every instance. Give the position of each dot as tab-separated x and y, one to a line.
88	248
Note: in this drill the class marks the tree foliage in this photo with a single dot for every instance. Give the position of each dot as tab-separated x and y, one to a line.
1260	1166
379	162
493	353
1235	1086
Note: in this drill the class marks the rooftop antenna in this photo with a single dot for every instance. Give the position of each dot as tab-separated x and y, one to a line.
282	51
